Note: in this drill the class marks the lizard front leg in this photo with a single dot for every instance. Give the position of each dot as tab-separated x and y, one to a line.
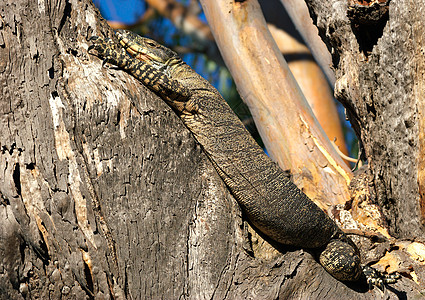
168	89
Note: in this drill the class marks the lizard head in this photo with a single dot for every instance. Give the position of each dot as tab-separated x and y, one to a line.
147	50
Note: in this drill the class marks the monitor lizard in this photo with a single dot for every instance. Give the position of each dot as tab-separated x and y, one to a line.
271	202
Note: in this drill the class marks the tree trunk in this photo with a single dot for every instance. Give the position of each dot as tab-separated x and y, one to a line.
105	194
104	190
380	71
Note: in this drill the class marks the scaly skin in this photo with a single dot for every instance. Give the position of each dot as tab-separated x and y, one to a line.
272	203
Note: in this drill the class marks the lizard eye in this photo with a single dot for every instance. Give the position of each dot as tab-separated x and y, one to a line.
151	44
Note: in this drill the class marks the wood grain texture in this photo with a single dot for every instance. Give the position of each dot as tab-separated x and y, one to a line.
105	194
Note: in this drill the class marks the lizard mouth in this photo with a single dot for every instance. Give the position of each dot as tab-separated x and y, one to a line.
135	50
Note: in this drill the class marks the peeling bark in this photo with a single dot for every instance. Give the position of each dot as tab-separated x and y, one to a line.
380	80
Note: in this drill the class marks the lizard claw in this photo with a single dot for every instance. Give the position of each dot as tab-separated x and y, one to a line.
91	47
94	38
105	61
378	279
97	41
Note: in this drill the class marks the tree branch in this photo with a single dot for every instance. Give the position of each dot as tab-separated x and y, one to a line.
292	136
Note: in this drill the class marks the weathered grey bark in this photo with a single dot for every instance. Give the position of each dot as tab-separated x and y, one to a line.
104	191
380	79
105	194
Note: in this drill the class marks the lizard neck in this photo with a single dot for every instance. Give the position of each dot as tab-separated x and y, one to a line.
184	74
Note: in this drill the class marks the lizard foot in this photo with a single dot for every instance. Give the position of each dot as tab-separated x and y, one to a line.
378	279
107	49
